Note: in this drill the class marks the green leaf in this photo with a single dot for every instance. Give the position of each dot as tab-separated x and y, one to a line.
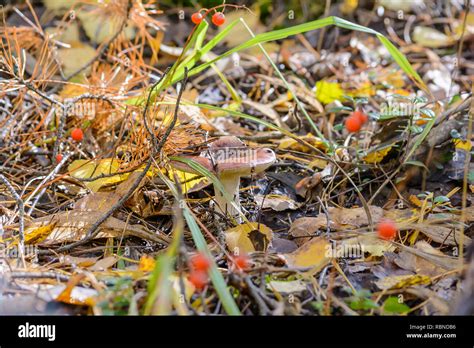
441	199
392	306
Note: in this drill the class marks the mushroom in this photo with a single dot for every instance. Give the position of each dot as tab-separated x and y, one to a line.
229	158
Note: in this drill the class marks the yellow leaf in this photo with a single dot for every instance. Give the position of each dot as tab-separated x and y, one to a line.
402	281
39	234
177	293
188	180
348	6
463	145
147	263
85	169
366	90
315	254
377	156
248	237
100	26
293	144
75	57
369	244
415	200
327	92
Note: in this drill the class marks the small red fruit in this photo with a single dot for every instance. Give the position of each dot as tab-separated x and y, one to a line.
200	262
361	116
353	124
242	262
77	134
218	18
196	18
387	229
199	279
59	158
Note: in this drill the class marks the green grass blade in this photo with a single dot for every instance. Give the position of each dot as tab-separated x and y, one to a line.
399	57
217	279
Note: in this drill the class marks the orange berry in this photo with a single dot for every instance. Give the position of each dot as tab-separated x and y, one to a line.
199	279
361	115
387	229
218	18
242	262
353	124
196	18
77	134
200	262
59	158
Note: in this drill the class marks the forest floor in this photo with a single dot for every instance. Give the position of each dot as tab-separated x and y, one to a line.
266	159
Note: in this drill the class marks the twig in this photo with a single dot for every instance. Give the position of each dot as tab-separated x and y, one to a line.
21	209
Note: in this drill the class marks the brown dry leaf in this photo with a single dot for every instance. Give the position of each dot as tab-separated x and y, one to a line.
315	254
248	237
72	226
356	217
439	234
74	58
305	228
418	264
74	261
402	281
104	264
368	243
276	202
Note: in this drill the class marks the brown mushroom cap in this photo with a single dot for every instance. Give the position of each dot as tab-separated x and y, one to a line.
229	156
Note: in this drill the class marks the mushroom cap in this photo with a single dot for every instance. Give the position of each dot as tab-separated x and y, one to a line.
229	156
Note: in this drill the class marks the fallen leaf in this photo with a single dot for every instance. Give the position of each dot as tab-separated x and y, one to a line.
74	58
287	287
248	237
276	202
85	169
315	255
355	216
432	38
327	92
368	243
420	265
402	281
104	264
147	263
305	228
293	144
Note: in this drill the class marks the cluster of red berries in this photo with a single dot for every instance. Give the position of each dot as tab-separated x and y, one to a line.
387	229
77	135
355	121
218	18
199	265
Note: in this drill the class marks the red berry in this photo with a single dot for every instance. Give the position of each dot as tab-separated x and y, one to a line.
199	279
59	158
196	18
77	134
353	124
361	116
387	229
242	262
218	18
200	262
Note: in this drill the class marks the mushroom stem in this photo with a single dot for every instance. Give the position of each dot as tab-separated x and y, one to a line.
231	185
